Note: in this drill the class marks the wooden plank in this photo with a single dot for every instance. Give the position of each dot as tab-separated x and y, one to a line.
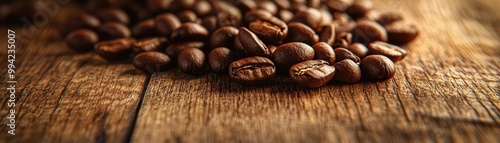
68	97
445	90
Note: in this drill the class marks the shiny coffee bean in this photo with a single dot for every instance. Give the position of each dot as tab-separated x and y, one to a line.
298	32
223	37
190	32
393	52
343	53
115	49
285	15
310	17
192	61
79	21
312	73
347	71
152	61
292	53
401	33
187	16
113	14
210	23
252	70
267	6
145	29
338	5
342	40
327	34
269	29
220	58
114	30
252	44
359	8
358	49
166	23
324	52
175	49
82	40
202	8
388	18
377	67
368	31
253	15
149	44
229	18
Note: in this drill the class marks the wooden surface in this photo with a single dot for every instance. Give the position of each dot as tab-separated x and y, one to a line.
446	90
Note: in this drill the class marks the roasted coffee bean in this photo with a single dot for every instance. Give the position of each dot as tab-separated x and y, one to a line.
190	32
367	32
388	18
192	61
152	61
338	5
187	16
176	48
312	73
296	6
223	37
282	4
393	52
178	5
158	5
292	53
220	58
210	23
314	3
115	49
245	5
202	8
113	14
79	21
358	49
166	23
347	71
326	18
377	67
82	40
327	34
342	40
252	44
267	6
145	29
401	33
252	70
285	15
343	53
229	17
253	15
113	30
269	29
359	8
149	44
324	51
310	17
298	32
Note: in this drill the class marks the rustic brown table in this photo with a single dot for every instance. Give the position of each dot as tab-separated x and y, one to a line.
446	90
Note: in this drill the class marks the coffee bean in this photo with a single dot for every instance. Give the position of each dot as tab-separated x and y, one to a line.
245	5
178	5
190	32
192	61
298	32
252	70
324	51
210	23
202	8
271	29
82	40
113	30
296	6
187	16
359	8
152	61
272	48
343	53
267	6
310	17
145	29
252	44
113	14
115	49
368	31
347	71
393	52
314	3
158	5
228	15
223	37
176	48
166	23
388	18
326	18
239	47
79	21
338	5
312	73
400	33
150	44
342	40
327	34
282	4
220	58
253	15
285	15
377	67
292	53
358	49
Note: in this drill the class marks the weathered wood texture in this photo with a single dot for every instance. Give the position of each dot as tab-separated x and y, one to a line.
446	90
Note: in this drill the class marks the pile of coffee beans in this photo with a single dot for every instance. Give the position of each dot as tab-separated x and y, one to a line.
314	42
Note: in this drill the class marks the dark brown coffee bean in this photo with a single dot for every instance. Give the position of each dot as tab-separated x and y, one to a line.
377	67
158	5
312	73
228	15
145	29
358	49
113	14
338	5
285	15
178	5
327	34
245	5
342	40
192	61
253	15
202	8
343	53
149	44
292	53
223	37
210	23
298	32
190	32
401	33
113	30
166	23
324	51
252	70
115	49
347	71
176	48
79	21
367	32
310	17
267	6
187	16
393	52
252	44
152	62
82	40
220	58
359	8
270	29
